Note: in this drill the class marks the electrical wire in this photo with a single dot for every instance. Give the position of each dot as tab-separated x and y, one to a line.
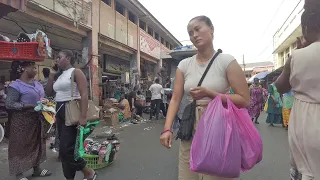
273	17
266	47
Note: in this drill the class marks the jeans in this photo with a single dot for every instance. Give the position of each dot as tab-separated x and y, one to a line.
67	136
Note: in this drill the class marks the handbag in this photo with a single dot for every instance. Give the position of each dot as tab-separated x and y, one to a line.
185	131
73	110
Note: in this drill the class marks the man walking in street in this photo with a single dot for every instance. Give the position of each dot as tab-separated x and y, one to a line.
156	91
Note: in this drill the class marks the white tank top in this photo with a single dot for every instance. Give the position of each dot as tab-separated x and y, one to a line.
62	87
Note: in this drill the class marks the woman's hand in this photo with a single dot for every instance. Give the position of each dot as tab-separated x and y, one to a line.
83	122
53	68
199	93
166	139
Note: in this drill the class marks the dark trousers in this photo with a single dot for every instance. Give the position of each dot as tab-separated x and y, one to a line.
155	108
139	109
67	136
163	108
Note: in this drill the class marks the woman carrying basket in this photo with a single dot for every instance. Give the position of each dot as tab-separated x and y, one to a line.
68	134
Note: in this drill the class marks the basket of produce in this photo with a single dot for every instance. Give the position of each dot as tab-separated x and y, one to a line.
28	47
20	51
100	155
97	155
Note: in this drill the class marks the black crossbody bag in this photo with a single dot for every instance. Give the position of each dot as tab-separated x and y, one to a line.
185	131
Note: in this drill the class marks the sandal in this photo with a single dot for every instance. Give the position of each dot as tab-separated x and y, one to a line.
42	173
93	178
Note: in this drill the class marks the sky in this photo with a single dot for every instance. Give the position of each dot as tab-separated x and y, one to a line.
242	27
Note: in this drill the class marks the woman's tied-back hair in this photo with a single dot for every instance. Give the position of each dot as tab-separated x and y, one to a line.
311	16
204	19
69	54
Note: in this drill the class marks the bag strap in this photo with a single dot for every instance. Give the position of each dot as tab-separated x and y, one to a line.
208	67
72	83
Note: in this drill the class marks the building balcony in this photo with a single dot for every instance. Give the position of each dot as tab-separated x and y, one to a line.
78	11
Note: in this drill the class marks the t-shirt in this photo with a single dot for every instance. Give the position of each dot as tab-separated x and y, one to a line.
156	91
216	78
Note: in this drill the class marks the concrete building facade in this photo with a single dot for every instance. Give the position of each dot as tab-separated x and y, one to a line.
109	37
284	40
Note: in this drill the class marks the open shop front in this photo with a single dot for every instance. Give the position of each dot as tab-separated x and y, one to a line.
115	76
115	81
149	69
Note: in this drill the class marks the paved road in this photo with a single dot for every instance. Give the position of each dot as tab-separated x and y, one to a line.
142	158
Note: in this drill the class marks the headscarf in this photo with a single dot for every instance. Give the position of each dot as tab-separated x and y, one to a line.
17	67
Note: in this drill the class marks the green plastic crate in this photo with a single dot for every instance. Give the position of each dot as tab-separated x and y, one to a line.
92	162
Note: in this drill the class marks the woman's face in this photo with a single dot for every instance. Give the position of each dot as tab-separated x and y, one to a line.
62	60
31	70
200	33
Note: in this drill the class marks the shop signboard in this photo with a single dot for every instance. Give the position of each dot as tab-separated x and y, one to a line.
116	65
149	45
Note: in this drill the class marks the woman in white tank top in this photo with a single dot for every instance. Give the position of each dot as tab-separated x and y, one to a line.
68	134
301	74
224	72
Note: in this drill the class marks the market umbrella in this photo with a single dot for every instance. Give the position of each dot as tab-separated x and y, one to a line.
259	76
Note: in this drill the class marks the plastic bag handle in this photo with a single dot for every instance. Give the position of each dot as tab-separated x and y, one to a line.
229	102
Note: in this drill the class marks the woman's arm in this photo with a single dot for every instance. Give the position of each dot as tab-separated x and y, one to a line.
175	99
238	83
13	100
283	83
49	87
81	81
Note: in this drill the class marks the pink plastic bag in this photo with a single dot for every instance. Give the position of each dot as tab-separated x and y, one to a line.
216	148
251	142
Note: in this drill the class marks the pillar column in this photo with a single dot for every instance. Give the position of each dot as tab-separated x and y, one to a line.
93	54
138	47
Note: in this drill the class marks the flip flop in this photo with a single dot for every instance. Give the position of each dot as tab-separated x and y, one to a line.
24	178
42	173
93	178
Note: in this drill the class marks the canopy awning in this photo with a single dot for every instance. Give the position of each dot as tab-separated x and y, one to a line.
259	76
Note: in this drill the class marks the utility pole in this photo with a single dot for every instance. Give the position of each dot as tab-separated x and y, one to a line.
243	63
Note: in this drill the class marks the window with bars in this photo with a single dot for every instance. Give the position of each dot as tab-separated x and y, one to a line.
142	25
108	2
132	17
120	8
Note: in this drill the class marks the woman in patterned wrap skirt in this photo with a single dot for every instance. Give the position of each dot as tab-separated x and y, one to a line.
27	143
